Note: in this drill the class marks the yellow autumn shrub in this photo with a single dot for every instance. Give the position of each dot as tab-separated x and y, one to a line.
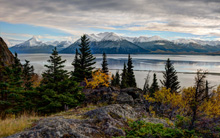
182	103
98	79
211	107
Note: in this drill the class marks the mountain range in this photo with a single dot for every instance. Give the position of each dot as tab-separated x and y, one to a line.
112	43
34	45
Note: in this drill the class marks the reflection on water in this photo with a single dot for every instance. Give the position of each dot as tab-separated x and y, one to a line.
144	63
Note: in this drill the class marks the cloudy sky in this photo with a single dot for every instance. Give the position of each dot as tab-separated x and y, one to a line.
68	19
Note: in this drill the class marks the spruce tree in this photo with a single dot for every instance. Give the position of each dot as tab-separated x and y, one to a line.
104	64
58	90
124	77
55	72
170	77
76	65
11	88
154	86
86	60
27	74
113	80
131	82
117	79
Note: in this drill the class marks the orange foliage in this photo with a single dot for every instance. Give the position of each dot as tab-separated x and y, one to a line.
98	79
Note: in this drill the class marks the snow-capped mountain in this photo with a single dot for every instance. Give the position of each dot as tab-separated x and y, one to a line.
183	41
196	41
34	45
110	36
106	36
142	39
63	44
31	43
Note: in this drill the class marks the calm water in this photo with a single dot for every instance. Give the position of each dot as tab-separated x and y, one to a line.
185	65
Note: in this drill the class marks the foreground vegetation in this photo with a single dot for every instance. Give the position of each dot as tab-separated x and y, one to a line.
12	124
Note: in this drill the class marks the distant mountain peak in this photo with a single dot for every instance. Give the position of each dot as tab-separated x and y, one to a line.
148	39
31	42
111	37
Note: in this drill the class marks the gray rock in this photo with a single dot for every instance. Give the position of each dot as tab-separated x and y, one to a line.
106	121
124	98
113	111
55	127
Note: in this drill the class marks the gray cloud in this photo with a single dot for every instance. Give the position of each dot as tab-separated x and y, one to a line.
200	17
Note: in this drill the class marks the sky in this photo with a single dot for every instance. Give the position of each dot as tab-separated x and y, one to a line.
69	19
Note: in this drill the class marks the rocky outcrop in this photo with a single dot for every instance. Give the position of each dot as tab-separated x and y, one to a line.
6	57
106	121
103	122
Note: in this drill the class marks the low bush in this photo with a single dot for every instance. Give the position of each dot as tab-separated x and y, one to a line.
141	129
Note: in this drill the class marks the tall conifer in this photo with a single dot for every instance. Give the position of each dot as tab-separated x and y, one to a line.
104	64
154	86
27	74
131	82
59	92
124	77
86	60
170	77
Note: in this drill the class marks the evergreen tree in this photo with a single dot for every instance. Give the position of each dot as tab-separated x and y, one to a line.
124	77
146	87
131	82
113	80
76	65
55	72
154	86
27	74
58	91
17	71
86	60
170	77
11	90
104	64
117	79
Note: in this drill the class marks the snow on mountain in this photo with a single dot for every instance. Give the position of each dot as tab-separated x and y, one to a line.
200	42
111	37
183	41
211	43
141	39
31	43
106	36
53	43
130	39
64	44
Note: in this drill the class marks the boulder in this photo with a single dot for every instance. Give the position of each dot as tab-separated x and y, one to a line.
124	98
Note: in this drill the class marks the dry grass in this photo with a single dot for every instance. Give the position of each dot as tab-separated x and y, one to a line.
12	125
